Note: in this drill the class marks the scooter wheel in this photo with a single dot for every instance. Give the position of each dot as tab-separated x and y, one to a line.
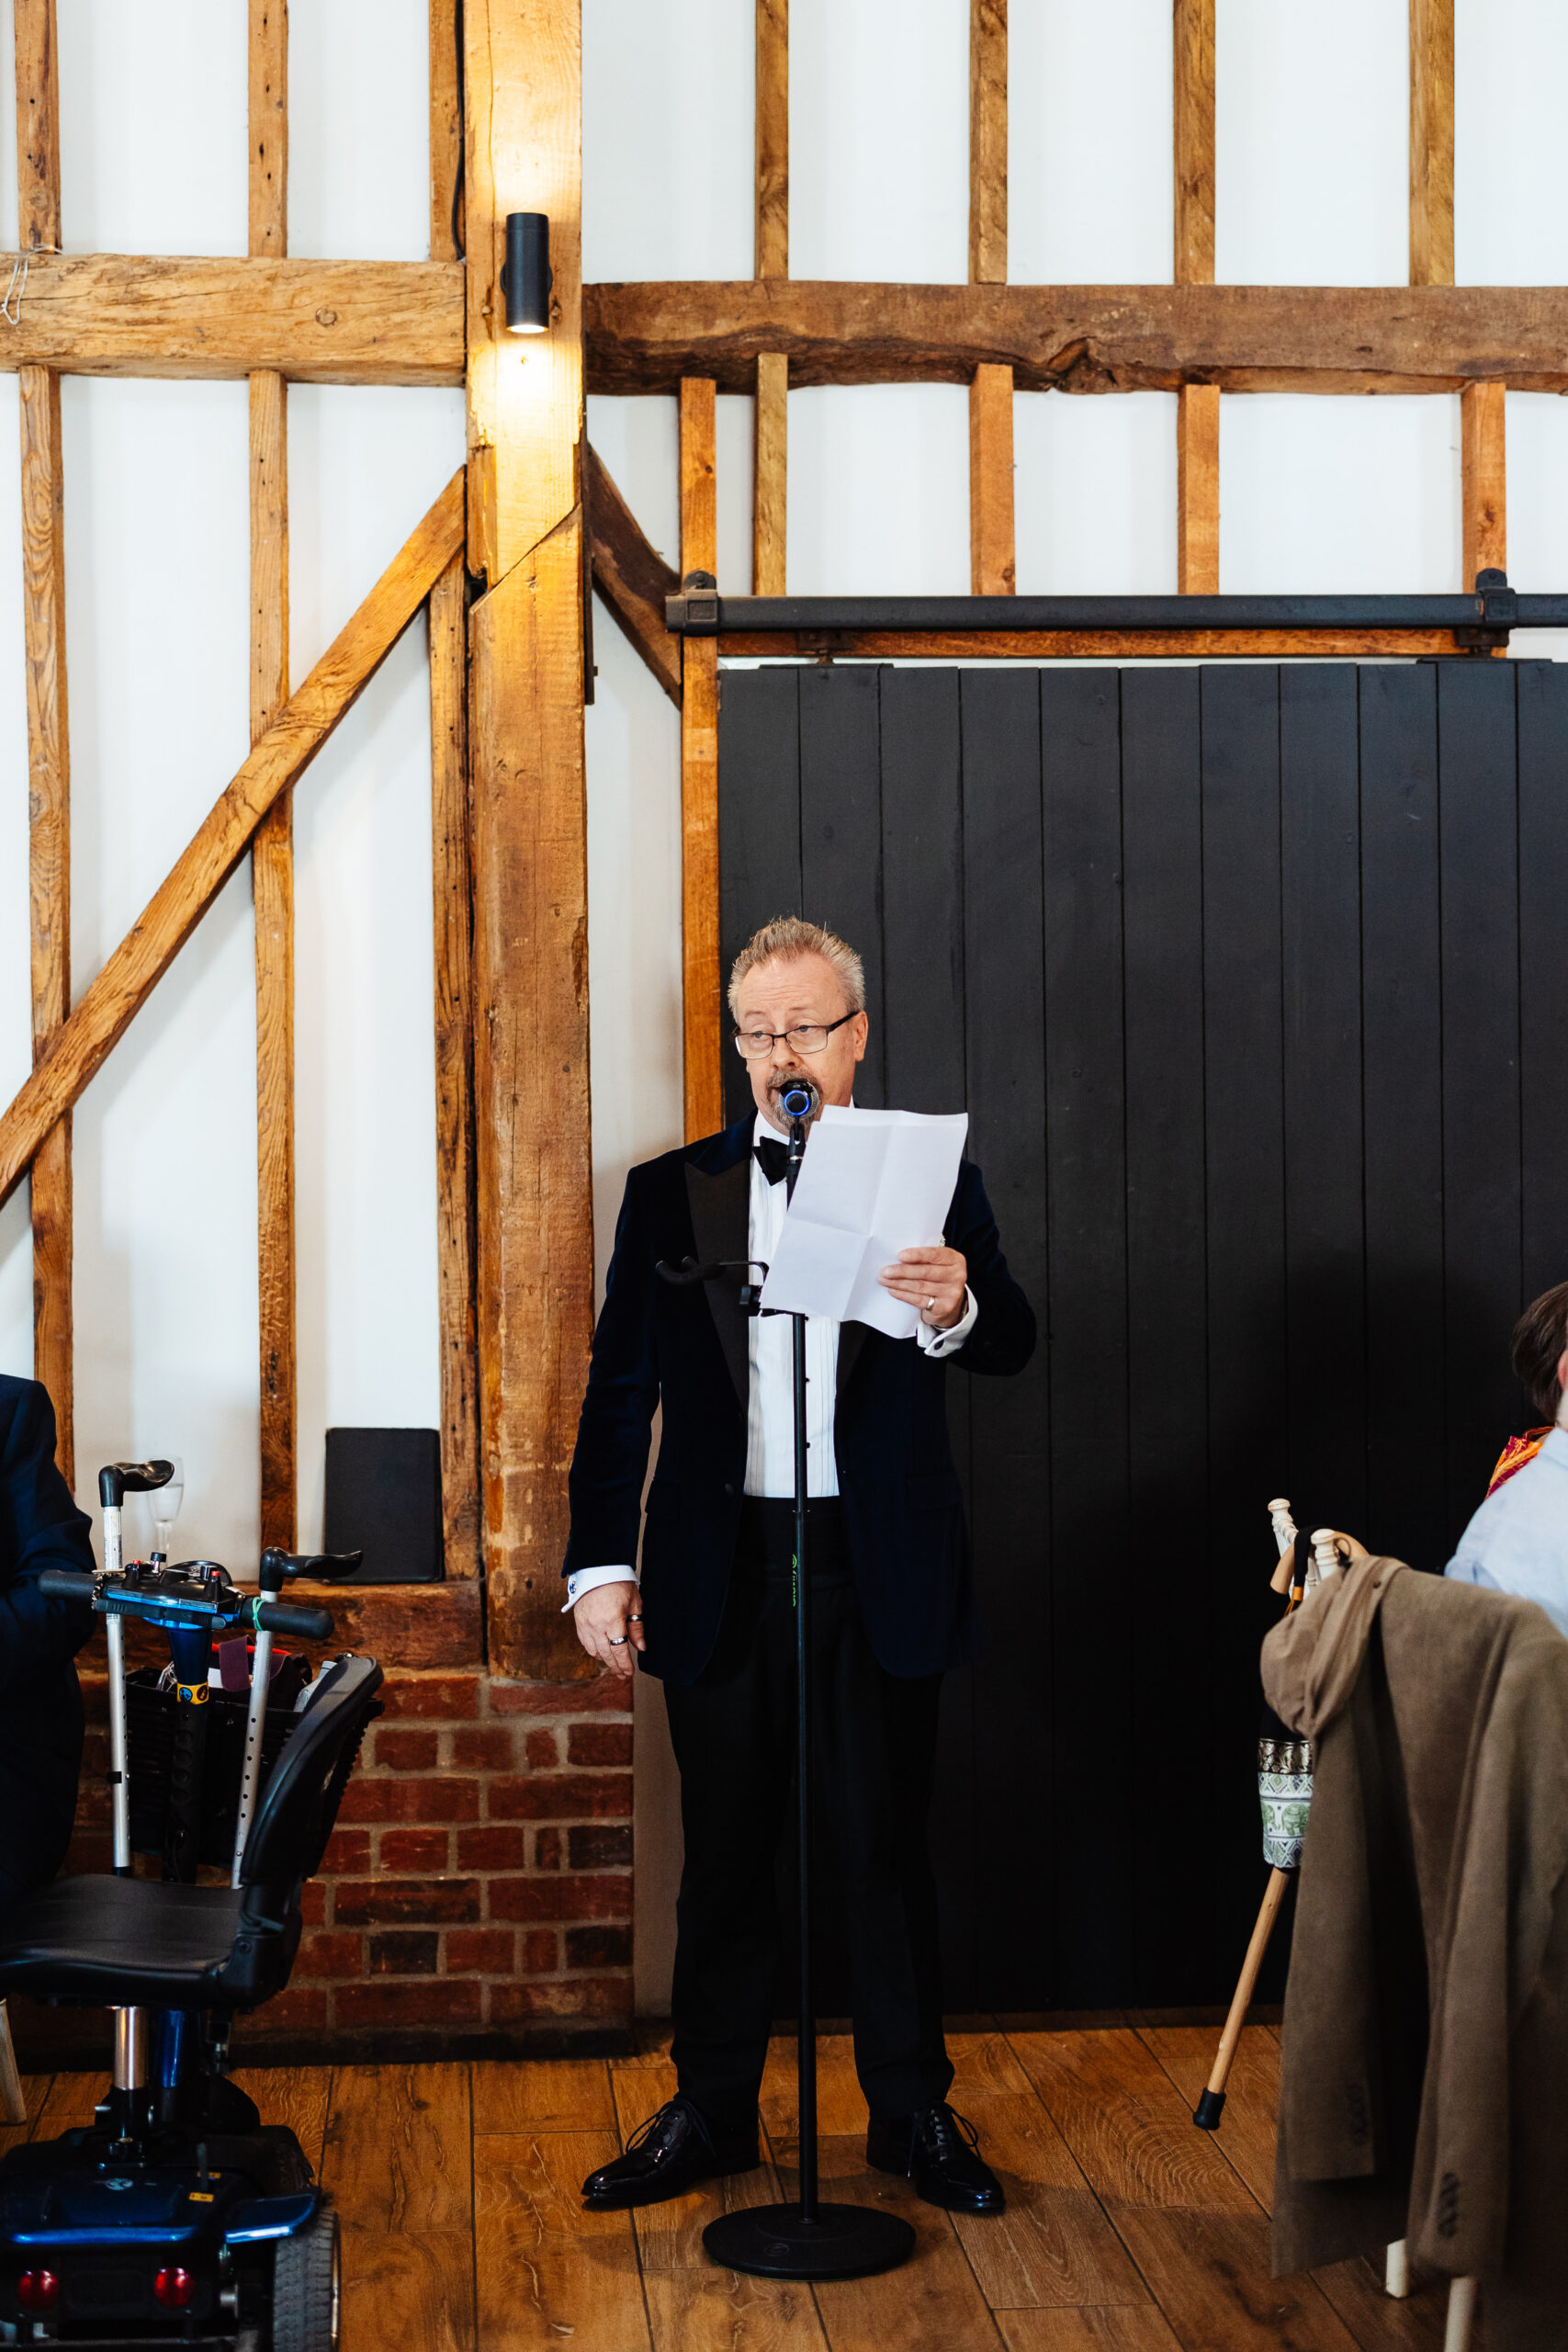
307	2293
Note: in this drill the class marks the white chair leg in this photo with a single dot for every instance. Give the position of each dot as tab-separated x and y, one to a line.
1396	2269
1461	2315
13	2106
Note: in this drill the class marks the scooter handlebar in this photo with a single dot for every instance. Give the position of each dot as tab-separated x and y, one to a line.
288	1617
65	1584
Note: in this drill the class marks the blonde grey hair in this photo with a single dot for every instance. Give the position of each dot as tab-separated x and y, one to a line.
787	938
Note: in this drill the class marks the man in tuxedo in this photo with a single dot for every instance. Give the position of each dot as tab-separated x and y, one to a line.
40	1703
713	1611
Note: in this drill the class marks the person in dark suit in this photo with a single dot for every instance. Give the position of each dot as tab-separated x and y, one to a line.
40	1702
712	1613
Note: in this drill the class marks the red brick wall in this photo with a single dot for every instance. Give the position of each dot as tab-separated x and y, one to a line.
478	1887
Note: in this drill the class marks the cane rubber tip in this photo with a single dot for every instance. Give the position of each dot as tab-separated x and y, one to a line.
1207	2113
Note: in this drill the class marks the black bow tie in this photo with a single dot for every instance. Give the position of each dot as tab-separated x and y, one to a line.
774	1156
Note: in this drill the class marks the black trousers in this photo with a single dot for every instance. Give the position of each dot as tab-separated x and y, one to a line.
734	1734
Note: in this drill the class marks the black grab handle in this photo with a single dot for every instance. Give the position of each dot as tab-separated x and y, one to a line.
65	1584
285	1617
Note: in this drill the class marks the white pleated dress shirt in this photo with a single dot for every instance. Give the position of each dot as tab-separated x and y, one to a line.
769	1413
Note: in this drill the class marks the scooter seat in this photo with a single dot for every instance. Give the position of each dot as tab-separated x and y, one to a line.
122	1942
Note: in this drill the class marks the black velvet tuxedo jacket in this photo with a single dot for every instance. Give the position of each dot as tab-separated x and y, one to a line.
687	1349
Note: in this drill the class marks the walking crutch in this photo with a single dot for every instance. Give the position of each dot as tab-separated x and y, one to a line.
1285	1762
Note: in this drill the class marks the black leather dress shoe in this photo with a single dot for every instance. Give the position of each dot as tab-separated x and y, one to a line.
671	2153
940	2153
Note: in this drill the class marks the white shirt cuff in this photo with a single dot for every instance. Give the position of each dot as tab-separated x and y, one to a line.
585	1579
947	1343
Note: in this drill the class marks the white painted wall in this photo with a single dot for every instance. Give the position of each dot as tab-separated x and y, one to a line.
1315	493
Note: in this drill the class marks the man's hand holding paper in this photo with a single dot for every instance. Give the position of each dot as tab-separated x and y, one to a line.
863	1239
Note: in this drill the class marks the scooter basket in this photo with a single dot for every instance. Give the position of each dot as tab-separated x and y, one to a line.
151	1719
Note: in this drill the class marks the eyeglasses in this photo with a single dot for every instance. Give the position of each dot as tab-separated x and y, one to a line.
809	1039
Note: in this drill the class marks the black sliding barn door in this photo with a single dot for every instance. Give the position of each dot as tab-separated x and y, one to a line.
1254	983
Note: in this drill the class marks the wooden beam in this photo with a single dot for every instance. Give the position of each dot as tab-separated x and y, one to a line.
269	110
453	871
1194	141
1483	443
991	568
522	67
536	1234
770	445
523	151
1198	490
272	852
38	125
272	872
1073	645
988	142
445	132
48	804
1431	142
102	1015
49	754
769	498
318	321
701	993
773	139
645	338
631	577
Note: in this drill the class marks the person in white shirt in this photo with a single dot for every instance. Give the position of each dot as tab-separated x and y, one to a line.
711	1609
1518	1540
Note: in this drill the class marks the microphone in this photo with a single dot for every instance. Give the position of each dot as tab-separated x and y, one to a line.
798	1098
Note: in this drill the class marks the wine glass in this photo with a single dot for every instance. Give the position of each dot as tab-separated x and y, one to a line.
165	1504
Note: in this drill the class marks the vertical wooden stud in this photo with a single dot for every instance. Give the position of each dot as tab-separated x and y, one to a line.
48	755
1198	490
990	483
453	871
272	852
699	776
1196	405
523	147
771	439
987	143
49	802
38	127
1431	142
773	139
1483	440
990	391
769	509
446	134
1194	141
272	877
268	77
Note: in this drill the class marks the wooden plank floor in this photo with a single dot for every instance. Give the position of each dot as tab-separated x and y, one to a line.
1127	2230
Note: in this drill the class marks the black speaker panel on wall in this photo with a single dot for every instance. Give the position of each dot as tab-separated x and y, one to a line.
383	1497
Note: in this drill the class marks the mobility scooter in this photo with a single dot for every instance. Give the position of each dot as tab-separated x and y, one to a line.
179	2218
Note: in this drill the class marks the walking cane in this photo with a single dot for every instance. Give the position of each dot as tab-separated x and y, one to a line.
1298	1572
807	2240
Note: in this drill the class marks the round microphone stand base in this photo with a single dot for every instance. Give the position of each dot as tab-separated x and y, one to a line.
839	2242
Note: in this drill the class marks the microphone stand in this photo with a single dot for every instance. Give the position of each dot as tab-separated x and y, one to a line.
807	2240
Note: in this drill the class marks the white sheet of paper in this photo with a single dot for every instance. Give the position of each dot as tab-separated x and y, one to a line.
872	1183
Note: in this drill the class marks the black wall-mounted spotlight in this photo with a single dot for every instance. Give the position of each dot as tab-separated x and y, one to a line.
525	281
